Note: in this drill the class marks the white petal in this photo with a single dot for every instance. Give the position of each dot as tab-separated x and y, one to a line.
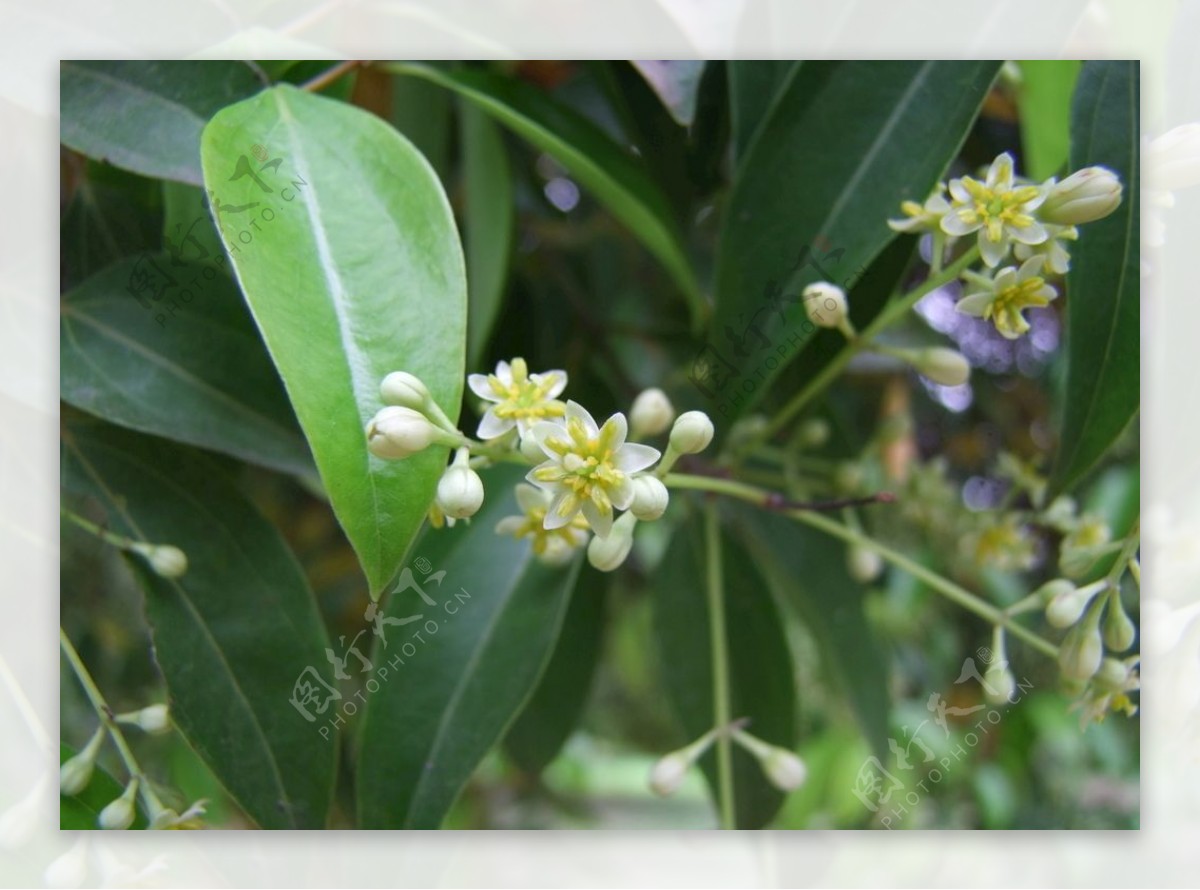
504	372
1005	278
551	488
937	204
482	387
617	428
908	224
1032	267
632	457
959	192
554	519
530	498
510	525
1046	292
993	251
952	224
1034	234
974	304
1000	174
622	495
580	413
492	426
560	382
601	523
544	431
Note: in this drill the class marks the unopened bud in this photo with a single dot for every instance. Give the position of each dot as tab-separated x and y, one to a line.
1113	675
74	775
1119	630
396	433
607	554
691	433
460	490
813	433
999	683
651	414
154	719
1081	651
165	559
785	770
944	366
1086	195
1066	606
825	304
405	390
650	498
119	814
863	564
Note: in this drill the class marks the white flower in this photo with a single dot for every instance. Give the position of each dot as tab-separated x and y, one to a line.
553	546
1058	259
607	554
999	209
923	217
1002	299
590	468
521	399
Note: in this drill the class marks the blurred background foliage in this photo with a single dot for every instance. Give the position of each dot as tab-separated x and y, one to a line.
557	279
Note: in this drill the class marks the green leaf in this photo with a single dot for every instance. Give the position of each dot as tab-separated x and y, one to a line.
1103	317
352	267
554	709
234	634
762	684
423	113
488	224
188	366
79	812
676	85
753	88
615	178
842	146
454	691
807	570
111	214
147	116
1044	99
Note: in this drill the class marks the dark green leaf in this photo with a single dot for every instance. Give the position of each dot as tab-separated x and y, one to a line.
79	812
1103	388
843	145
554	709
808	572
615	178
111	214
147	116
1044	98
454	691
188	366
676	84
762	684
232	636
352	267
754	85
488	224
422	112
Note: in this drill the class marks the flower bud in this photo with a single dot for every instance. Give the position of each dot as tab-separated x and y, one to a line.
74	775
825	304
608	553
154	719
947	367
650	497
651	414
166	560
1081	651
667	774
1051	589
813	433
1086	195
396	433
406	390
460	490
863	564
691	433
999	683
1119	631
784	769
119	814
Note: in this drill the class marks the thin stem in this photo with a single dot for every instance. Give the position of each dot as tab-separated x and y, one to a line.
1128	552
105	713
329	75
960	595
890	314
769	500
720	659
119	541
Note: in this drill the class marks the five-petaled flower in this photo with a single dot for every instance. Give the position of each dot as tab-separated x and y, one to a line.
999	209
521	399
1002	299
590	468
554	546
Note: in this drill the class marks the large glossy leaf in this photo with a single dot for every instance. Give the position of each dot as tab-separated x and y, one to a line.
554	709
762	684
233	635
489	223
807	571
452	693
1103	354
842	146
184	363
754	85
614	178
79	812
351	264
1044	98
147	116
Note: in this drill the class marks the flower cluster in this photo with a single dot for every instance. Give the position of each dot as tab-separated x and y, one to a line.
589	484
1011	216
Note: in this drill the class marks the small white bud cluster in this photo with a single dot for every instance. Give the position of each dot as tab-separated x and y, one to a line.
1095	620
782	767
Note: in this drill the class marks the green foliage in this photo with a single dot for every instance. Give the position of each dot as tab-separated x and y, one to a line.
1044	97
